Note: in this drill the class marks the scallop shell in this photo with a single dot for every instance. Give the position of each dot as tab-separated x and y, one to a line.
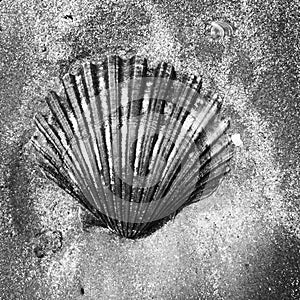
133	144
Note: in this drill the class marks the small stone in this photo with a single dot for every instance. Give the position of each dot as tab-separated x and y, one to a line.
236	139
82	291
68	17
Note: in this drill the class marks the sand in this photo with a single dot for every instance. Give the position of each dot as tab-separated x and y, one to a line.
246	244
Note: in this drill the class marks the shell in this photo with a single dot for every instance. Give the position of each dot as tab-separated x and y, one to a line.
133	144
220	29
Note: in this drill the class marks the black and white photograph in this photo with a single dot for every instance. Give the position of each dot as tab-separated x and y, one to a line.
149	150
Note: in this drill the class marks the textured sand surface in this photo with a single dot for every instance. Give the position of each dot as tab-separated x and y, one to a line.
246	244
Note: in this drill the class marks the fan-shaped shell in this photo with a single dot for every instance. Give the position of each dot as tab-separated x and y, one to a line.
133	144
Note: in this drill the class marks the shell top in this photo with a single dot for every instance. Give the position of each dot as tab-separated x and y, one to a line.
133	144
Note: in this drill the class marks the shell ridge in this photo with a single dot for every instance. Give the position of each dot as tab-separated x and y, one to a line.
129	72
149	144
126	90
112	105
85	175
209	153
49	134
172	166
68	84
215	183
172	178
39	120
171	73
76	102
65	129
57	161
97	116
110	87
175	130
54	172
215	180
181	112
118	79
154	105
137	83
99	81
167	187
83	149
159	139
206	170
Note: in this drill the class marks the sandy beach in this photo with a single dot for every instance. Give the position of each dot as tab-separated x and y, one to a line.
246	243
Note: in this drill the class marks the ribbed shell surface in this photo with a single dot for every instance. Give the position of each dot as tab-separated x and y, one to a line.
133	144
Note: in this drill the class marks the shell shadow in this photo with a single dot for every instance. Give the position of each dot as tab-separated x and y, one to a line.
17	182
